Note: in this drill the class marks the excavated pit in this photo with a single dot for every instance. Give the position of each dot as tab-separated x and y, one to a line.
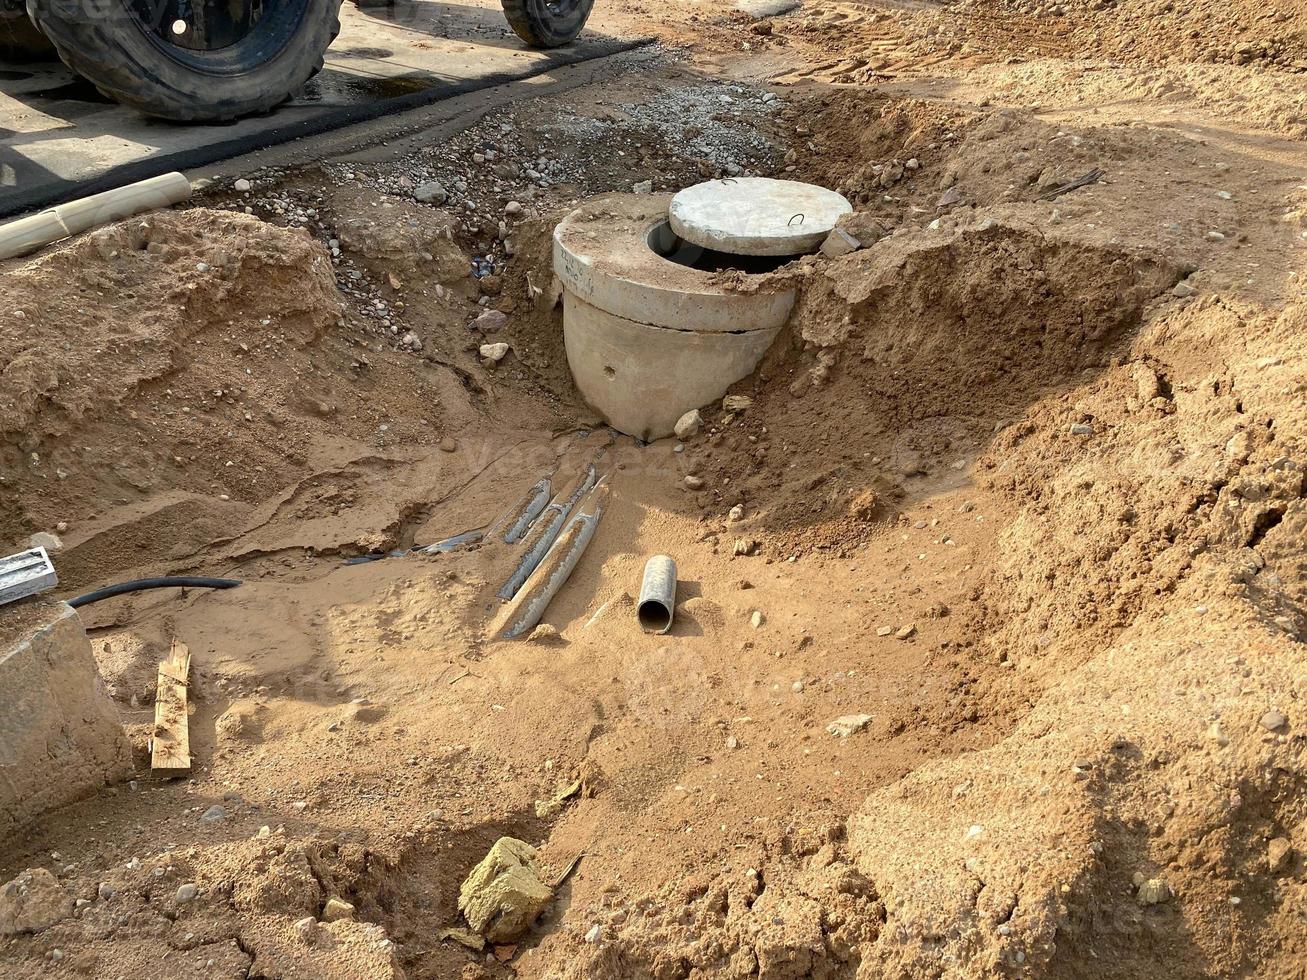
987	651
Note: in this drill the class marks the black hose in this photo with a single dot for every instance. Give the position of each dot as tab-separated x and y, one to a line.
164	582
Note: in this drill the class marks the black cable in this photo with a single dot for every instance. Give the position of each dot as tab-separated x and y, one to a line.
164	582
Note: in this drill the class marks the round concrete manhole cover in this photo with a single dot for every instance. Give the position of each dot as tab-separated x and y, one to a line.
756	215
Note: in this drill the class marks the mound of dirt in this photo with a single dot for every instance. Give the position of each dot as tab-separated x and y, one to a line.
905	359
165	373
1149	598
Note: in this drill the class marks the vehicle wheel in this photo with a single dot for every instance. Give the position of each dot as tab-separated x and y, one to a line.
547	23
192	60
20	40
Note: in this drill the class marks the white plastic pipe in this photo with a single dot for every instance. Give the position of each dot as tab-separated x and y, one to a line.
26	235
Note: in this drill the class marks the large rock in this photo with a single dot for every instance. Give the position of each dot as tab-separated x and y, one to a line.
33	901
60	738
503	895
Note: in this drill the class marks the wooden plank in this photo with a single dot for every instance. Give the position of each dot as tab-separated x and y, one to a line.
170	749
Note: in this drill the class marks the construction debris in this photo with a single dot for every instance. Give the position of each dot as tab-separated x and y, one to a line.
503	895
170	749
531	601
26	573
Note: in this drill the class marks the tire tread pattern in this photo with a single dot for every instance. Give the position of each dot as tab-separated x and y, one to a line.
535	25
88	46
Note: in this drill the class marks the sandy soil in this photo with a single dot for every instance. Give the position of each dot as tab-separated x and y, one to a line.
1023	480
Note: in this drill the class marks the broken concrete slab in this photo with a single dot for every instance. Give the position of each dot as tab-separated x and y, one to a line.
839	242
60	737
503	895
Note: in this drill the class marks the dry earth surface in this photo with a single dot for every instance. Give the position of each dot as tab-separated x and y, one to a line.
1024	480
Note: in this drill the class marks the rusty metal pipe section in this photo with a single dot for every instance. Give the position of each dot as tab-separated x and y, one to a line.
657	602
514	522
531	601
527	510
546	529
456	541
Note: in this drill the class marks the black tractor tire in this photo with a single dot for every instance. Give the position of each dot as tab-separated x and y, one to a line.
105	43
547	23
20	40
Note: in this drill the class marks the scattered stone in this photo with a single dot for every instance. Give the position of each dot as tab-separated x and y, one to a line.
242	185
757	619
432	192
1153	891
744	547
44	539
885	631
1279	852
644	187
448	444
949	197
732	742
33	901
306	928
693	483
736	403
846	725
503	895
513	208
1182	290
1215	236
839	242
1081	429
906	631
736	513
548	809
186	893
215	814
337	909
464	937
494	353
544	633
491	321
1218	736
689	424
592	934
1273	720
106	891
797	687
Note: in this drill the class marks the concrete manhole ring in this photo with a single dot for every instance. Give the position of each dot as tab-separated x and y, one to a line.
649	338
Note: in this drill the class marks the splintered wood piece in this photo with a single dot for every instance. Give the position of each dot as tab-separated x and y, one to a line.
170	750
